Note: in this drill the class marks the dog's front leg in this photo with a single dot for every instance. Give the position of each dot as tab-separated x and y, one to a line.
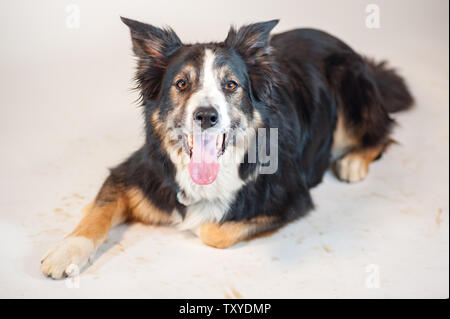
108	209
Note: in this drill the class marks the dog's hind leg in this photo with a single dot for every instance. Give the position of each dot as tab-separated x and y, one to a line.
351	157
363	125
354	166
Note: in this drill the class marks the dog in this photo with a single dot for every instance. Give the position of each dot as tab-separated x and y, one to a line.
204	165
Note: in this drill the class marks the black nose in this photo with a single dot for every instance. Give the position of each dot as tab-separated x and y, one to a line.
206	116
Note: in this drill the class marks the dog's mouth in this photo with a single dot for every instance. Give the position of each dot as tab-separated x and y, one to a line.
204	149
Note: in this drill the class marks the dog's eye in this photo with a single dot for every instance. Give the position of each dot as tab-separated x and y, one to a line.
182	84
231	86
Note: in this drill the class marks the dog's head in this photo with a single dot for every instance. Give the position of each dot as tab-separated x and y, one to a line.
201	98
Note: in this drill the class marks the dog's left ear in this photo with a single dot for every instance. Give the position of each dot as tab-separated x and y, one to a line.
153	47
252	43
252	39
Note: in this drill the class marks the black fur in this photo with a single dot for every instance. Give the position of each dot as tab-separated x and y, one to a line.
297	81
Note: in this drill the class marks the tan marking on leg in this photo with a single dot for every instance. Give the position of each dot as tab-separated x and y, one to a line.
343	139
222	236
108	210
99	220
143	209
87	209
230	233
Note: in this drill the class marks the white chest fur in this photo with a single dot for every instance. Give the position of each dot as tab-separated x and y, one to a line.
209	203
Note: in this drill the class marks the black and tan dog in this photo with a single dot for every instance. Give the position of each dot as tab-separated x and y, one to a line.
203	106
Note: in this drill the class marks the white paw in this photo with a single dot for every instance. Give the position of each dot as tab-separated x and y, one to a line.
72	250
352	168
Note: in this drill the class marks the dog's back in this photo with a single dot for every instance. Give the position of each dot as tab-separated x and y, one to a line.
333	89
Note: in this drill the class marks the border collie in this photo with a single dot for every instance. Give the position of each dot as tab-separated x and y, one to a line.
214	111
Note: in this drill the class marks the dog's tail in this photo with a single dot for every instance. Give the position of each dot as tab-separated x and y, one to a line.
393	89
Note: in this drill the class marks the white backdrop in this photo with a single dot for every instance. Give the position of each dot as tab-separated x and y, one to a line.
67	113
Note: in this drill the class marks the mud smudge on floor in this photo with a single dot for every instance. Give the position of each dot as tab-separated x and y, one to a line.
55	230
78	196
327	249
236	293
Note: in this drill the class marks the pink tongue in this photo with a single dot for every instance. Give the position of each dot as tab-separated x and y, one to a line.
204	165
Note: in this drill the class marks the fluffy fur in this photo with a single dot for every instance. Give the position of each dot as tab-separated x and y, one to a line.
329	104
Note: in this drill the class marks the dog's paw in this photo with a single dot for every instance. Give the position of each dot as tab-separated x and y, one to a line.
352	168
216	236
58	263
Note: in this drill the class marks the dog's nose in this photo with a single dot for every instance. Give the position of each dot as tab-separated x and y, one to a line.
206	116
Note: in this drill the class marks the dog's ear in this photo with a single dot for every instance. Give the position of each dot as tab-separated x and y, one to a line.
152	41
252	43
252	39
152	46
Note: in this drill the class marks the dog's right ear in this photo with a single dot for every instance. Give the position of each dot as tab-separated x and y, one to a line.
150	41
153	46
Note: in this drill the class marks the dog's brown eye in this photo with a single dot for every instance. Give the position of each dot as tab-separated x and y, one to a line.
182	84
231	86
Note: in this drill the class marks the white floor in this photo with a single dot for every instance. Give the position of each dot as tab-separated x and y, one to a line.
67	114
